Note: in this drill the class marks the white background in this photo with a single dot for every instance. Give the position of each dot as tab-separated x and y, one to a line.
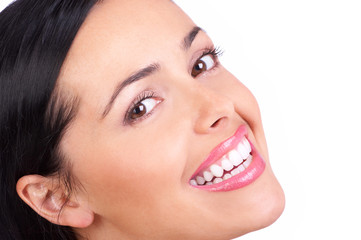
302	61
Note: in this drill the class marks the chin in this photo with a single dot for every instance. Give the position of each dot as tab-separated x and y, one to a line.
267	206
259	205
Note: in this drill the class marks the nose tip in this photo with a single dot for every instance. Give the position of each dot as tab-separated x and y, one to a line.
214	114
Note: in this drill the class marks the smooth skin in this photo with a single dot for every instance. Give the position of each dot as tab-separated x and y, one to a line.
135	173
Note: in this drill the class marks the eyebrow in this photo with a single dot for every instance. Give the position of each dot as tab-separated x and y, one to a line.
188	40
147	71
140	74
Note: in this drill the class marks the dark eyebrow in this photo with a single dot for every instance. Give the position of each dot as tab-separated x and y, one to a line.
187	41
145	72
140	74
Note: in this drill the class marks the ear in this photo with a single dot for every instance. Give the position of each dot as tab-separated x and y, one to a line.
50	202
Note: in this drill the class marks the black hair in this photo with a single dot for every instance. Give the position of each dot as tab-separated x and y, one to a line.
35	36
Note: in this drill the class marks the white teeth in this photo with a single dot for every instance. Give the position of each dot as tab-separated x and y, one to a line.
227	176
193	182
235	158
247	144
200	180
217	180
208	176
235	172
242	150
248	161
232	161
241	168
216	170
226	164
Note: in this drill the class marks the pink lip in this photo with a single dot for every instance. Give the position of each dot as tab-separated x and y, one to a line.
252	172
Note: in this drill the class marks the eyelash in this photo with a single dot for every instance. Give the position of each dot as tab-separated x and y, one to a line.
215	52
141	97
206	62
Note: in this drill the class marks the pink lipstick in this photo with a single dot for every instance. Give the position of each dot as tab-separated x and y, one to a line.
232	164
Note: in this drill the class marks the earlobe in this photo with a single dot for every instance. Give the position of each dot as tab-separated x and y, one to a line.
50	202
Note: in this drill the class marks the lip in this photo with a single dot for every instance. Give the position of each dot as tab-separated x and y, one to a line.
252	172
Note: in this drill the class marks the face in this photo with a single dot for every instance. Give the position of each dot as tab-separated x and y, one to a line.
156	110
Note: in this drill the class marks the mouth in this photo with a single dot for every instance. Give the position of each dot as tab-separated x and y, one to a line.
233	164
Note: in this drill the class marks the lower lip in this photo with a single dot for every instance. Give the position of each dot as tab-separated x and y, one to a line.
248	176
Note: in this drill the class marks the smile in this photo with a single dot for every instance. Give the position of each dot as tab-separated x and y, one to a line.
233	164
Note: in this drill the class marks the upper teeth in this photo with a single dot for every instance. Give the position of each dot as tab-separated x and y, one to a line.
232	163
235	157
226	164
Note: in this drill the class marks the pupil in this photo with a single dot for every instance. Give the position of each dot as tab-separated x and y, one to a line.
138	111
199	66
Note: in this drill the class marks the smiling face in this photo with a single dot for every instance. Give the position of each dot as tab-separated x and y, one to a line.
154	105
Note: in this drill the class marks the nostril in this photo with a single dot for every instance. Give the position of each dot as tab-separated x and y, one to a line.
216	123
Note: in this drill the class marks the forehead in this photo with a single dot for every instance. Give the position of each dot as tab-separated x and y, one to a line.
119	36
135	18
124	28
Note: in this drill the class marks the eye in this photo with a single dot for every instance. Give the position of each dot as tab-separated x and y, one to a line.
143	108
203	64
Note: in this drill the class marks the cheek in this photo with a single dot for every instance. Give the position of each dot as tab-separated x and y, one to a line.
245	103
247	107
127	172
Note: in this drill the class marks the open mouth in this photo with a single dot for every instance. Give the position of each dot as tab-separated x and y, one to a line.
231	165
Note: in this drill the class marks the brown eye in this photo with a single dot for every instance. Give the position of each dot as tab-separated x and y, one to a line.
138	111
143	108
203	64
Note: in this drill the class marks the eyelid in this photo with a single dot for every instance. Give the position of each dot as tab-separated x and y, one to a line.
215	51
146	94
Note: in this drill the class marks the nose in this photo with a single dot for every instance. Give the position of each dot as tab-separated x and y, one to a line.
214	110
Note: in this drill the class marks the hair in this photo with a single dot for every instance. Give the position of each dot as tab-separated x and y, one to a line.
35	36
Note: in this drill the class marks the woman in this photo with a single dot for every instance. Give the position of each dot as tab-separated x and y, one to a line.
119	122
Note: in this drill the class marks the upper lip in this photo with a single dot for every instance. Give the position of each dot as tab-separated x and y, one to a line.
222	148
